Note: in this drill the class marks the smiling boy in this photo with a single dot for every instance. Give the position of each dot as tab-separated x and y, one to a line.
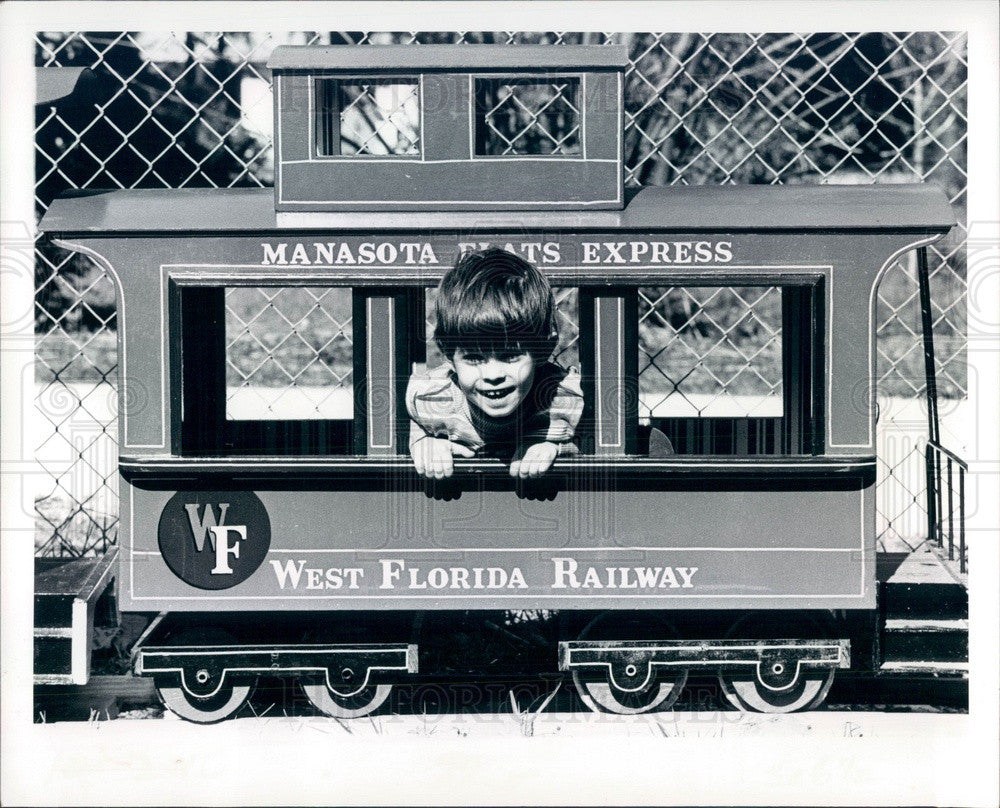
497	394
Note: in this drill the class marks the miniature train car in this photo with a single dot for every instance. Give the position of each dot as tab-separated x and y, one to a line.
269	508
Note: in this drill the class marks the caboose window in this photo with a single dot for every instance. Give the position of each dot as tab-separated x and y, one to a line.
367	117
266	370
528	117
288	353
729	370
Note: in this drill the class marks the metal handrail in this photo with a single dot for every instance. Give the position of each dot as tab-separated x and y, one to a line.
934	454
938	447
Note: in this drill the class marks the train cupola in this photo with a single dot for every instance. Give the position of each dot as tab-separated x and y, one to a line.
448	127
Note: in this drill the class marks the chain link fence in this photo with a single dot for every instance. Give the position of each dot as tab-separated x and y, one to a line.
194	110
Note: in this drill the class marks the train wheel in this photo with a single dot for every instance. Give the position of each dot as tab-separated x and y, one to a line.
779	684
358	705
746	691
209	710
604	697
221	704
599	691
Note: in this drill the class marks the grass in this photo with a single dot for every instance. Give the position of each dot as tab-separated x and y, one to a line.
526	718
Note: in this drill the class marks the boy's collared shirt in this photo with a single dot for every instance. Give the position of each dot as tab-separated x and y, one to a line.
550	412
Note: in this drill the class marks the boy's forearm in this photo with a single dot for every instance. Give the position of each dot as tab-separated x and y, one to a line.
417	433
567	448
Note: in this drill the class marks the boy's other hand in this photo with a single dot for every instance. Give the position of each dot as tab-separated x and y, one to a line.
432	457
534	460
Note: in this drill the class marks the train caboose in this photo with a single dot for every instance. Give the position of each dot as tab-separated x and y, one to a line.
270	513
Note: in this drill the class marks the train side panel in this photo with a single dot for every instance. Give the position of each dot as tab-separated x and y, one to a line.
387	544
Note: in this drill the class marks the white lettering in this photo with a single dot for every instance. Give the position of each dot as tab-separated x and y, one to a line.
299	255
565	576
624	582
615	251
687	573
314	578
202	525
386	253
565	571
517	579
324	252
274	255
409	249
723	251
288	572
647	576
668	580
366	253
223	549
427	255
344	255
703	251
391	570
661	252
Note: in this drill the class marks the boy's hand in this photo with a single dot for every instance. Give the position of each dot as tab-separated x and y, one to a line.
432	456
534	460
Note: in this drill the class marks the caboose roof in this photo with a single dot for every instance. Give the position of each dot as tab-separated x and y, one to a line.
720	209
457	58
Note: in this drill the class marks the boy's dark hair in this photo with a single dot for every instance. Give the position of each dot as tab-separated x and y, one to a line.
493	299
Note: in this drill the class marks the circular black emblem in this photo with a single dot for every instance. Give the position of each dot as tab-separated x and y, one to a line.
214	539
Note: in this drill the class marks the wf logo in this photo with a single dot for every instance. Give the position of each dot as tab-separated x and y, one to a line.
217	533
214	539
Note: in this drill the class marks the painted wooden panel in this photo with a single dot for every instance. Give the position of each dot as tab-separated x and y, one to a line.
751	544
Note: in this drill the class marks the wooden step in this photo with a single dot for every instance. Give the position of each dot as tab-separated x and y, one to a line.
933	669
101	699
926	640
67	593
918	586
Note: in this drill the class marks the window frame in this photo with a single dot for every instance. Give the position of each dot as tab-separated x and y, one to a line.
198	314
390	352
613	311
319	116
526	78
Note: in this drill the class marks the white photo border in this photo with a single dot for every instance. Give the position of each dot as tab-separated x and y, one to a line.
898	759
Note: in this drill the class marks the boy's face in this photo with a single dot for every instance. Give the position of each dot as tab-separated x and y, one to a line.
495	381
